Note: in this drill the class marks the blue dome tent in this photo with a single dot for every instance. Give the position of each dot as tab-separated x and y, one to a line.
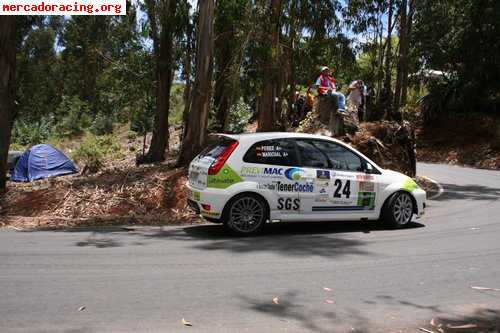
42	161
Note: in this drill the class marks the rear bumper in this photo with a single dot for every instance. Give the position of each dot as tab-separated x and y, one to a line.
208	202
194	206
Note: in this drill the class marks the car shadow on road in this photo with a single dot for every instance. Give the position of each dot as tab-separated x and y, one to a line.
331	239
469	192
296	228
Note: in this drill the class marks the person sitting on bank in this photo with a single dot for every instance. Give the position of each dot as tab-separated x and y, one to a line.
326	87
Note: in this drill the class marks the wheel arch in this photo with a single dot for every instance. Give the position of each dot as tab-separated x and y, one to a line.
390	196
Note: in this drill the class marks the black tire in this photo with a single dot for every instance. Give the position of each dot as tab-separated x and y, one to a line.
246	214
398	210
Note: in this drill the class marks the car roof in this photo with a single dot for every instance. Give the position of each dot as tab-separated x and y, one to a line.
253	137
275	135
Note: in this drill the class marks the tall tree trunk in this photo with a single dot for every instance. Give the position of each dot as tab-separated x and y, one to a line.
7	89
200	98
268	108
291	59
187	87
223	74
386	95
404	83
381	48
403	56
163	46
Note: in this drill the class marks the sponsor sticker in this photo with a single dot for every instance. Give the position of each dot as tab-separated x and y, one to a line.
323	174
322	196
366	199
294	173
224	178
209	213
261	172
271	186
270	151
341	202
364	178
294	187
288	204
366	186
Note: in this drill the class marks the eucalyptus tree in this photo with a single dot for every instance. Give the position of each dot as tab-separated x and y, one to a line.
196	135
7	89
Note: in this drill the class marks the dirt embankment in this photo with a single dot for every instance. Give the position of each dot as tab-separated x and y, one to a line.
121	193
474	142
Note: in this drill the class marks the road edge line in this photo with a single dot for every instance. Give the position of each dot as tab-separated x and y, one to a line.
440	188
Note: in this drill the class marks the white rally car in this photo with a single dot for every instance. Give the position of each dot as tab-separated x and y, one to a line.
247	180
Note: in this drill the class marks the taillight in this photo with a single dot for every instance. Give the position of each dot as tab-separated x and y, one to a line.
219	161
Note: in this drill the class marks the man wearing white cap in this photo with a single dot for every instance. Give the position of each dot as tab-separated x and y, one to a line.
326	87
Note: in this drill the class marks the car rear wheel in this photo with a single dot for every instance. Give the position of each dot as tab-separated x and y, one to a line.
398	210
246	214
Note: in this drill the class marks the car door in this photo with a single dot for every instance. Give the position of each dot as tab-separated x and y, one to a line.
271	165
315	177
343	190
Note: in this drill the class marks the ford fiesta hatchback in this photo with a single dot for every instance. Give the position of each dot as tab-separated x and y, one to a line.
245	181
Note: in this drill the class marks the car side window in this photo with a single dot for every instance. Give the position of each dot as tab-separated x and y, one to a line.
311	156
340	157
275	152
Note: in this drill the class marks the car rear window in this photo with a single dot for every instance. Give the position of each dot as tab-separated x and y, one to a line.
215	149
275	152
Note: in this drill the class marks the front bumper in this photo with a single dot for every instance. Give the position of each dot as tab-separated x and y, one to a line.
420	197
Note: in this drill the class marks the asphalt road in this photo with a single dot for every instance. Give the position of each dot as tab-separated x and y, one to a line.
380	280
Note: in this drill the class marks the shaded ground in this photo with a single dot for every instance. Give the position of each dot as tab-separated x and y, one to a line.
474	142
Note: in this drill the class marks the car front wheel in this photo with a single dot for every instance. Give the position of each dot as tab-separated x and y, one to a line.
398	210
246	214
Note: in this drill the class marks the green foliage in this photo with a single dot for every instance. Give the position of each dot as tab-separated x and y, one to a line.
27	133
239	116
94	149
461	38
142	119
176	104
444	97
74	116
102	124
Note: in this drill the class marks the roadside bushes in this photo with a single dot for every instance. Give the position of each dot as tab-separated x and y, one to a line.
239	116
93	151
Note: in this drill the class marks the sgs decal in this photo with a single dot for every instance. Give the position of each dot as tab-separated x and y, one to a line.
288	204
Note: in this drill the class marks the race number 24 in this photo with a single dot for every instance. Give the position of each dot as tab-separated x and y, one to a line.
346	190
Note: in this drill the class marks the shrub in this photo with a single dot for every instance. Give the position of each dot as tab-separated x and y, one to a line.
26	133
94	149
74	113
102	124
239	116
